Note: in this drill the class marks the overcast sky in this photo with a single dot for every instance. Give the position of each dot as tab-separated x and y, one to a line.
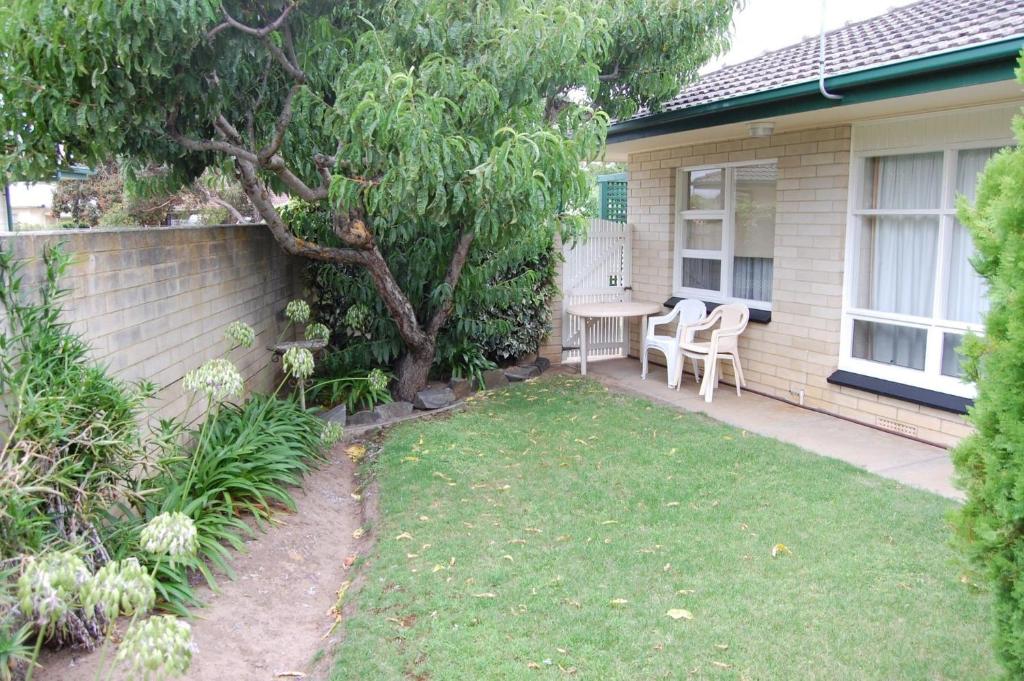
766	25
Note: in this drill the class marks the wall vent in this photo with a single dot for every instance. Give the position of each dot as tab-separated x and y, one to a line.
896	426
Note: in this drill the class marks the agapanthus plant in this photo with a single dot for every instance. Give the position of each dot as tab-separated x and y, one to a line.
157	648
217	380
171	535
297	311
240	334
120	587
49	586
298	362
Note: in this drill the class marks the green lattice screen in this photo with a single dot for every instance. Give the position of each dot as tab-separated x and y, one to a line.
612	195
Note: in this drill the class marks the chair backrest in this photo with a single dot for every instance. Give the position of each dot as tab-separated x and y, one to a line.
690	312
733	318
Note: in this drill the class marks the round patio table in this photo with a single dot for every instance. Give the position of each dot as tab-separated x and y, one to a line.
591	311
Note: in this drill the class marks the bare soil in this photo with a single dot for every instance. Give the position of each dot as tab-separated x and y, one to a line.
274	620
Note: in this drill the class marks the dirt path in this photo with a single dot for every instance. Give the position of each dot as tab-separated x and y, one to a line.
273	617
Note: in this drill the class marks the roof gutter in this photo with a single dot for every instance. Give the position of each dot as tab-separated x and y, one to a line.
960	68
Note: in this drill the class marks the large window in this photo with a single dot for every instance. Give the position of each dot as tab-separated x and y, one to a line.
911	292
725	233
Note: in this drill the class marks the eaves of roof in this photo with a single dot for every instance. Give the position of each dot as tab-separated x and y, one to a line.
974	65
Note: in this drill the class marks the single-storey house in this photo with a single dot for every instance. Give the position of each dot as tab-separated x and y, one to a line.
821	192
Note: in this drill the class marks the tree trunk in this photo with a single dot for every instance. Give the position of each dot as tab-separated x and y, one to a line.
412	371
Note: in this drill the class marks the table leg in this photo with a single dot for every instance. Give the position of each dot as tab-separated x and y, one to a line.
583	345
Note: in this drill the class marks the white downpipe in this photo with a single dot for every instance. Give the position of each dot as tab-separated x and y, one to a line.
821	58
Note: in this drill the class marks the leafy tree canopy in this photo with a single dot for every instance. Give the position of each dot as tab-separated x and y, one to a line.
420	126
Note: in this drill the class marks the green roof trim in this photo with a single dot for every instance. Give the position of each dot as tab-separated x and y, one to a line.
971	66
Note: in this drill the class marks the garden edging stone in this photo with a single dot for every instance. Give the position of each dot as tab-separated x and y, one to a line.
434	398
523	373
392	410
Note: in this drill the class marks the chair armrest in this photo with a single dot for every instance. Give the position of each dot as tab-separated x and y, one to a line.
661	319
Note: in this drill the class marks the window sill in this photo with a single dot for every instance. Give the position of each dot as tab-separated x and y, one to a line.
756	316
901	391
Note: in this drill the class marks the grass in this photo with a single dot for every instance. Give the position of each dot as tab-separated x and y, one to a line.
547	531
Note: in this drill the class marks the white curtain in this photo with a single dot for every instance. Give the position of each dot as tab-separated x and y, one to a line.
903	252
752	278
967	300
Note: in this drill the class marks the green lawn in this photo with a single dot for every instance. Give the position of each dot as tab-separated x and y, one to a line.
547	531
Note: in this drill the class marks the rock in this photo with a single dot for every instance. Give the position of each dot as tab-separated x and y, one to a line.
495	378
393	410
336	415
462	387
434	398
364	418
516	374
542	363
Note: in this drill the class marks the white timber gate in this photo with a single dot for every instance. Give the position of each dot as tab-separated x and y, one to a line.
597	270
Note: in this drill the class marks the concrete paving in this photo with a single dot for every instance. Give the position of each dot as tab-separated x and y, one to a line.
908	461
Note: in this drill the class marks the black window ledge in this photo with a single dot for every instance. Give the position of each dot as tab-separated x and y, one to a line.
756	316
901	391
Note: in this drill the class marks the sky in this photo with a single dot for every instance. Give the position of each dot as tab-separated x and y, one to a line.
766	25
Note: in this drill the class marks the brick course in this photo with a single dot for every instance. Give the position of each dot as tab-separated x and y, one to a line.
154	303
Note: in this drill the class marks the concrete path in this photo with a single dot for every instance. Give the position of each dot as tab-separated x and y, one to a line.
891	456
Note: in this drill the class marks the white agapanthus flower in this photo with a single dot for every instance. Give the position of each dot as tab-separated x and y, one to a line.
241	333
378	379
217	379
48	586
157	648
298	362
331	433
297	311
119	587
317	332
170	534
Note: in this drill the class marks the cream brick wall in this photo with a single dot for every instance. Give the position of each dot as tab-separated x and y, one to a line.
154	303
799	348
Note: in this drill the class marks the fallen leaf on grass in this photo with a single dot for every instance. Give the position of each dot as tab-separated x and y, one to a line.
410	459
618	601
722	646
680	614
486	594
347	562
780	550
672	503
721	665
355	452
404	535
532	665
358	533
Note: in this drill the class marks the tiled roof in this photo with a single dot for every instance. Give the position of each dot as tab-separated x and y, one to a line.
915	30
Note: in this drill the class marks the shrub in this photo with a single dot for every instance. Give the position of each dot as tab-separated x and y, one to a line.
990	463
501	304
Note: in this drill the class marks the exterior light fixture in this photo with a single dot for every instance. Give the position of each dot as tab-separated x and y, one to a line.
761	128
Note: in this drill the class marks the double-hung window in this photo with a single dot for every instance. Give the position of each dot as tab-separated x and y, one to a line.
911	292
725	233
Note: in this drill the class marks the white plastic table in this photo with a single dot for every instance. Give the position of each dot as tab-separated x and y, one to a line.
591	311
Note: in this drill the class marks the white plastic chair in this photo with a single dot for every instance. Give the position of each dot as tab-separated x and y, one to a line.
688	312
731	320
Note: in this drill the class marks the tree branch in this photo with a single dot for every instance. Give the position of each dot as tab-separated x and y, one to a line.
451	278
260	199
231	22
609	77
280	126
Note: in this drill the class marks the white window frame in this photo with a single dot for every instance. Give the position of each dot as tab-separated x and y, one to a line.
931	377
727	215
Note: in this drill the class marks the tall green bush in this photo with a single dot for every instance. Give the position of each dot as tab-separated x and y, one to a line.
990	463
501	311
